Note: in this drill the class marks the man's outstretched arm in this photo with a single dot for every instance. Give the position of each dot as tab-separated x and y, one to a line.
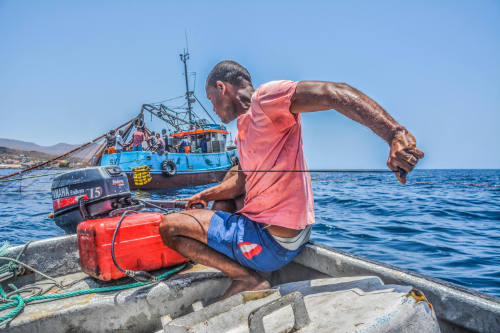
313	96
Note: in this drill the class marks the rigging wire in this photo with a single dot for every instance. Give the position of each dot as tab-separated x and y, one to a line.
167	100
208	114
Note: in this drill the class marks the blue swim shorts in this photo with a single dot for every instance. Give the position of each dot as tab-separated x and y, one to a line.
247	242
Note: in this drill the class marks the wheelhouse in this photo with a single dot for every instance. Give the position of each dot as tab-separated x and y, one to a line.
214	135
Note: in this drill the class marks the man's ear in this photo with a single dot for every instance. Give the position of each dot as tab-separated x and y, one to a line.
221	86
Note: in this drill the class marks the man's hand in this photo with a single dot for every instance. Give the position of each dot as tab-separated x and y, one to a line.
232	186
195	199
404	154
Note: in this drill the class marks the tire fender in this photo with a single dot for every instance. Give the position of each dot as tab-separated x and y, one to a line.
168	168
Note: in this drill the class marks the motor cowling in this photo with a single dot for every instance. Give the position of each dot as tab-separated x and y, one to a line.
88	193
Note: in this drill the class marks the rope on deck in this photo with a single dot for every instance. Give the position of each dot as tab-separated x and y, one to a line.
11	266
18	302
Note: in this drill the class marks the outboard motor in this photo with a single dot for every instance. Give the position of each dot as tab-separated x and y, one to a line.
92	201
89	193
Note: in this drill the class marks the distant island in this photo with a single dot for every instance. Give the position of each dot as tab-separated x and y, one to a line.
16	154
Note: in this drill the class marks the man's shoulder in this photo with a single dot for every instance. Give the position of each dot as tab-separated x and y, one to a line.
274	89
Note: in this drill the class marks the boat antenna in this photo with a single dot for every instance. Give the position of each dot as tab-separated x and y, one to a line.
184	58
186	37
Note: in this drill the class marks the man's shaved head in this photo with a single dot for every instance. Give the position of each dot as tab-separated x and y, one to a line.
228	71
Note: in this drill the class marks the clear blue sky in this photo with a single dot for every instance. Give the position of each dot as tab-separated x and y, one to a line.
71	70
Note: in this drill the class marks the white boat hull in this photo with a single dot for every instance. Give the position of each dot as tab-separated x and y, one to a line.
140	309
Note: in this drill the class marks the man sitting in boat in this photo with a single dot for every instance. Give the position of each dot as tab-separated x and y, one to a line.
274	209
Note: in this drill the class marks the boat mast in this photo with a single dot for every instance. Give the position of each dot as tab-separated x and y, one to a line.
184	57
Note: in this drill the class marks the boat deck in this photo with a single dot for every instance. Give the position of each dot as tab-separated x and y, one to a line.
136	309
140	309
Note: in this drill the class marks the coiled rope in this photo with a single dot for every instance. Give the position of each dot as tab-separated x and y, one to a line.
17	302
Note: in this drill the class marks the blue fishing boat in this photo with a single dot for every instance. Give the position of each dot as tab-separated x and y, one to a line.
196	150
151	171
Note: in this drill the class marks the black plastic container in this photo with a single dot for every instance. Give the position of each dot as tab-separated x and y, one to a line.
87	194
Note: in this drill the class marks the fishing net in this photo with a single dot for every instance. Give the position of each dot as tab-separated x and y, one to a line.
87	154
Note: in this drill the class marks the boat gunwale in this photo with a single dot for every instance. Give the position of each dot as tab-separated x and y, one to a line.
14	250
456	307
435	280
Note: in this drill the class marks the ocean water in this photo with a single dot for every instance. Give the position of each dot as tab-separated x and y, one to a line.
438	225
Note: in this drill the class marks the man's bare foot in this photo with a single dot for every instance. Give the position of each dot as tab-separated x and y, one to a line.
252	284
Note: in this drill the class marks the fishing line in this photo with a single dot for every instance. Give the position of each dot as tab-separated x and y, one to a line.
314	170
31	176
292	171
360	171
53	174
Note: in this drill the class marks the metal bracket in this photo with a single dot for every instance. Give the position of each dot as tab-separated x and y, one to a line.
83	208
120	211
295	299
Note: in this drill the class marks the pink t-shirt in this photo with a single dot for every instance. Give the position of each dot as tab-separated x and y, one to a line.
270	138
137	138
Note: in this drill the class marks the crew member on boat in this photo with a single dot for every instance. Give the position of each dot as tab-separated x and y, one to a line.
152	143
183	144
119	142
111	141
203	144
164	136
160	144
261	220
137	139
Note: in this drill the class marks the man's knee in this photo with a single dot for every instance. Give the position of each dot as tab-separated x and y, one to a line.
169	229
188	224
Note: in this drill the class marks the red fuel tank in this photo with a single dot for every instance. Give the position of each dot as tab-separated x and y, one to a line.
138	246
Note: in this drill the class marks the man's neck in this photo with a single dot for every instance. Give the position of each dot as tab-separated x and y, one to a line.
244	97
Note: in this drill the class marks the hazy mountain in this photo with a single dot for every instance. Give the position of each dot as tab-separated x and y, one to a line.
56	149
14	153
